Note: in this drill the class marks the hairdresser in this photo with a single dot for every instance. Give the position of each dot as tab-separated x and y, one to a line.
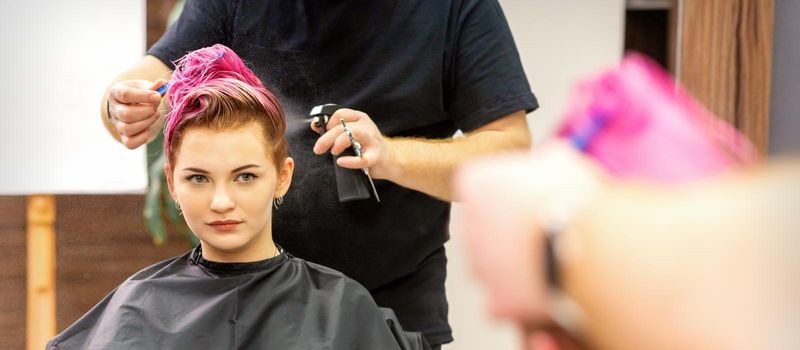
412	74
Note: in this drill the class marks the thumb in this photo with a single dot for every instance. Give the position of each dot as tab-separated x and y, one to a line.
157	84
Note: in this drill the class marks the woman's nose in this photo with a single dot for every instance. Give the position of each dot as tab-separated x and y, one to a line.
222	201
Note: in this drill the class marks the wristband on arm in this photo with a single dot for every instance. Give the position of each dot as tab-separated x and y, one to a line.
566	313
108	109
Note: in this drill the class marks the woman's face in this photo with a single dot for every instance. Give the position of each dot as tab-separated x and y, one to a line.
225	182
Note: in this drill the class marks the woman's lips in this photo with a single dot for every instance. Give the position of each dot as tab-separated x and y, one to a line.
225	226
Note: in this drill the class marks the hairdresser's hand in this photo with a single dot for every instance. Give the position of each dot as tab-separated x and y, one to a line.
376	150
134	112
550	338
506	201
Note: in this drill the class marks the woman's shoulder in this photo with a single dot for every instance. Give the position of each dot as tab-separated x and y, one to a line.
323	277
166	267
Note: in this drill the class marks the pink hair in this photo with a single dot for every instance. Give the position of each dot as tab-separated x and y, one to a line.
212	88
636	122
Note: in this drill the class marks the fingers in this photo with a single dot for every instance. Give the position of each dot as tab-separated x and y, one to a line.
132	113
132	142
130	129
551	337
314	127
127	94
349	116
342	142
501	234
337	141
157	84
334	128
133	107
325	142
540	341
353	162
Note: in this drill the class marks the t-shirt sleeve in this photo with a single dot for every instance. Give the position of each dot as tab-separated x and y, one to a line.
487	81
201	23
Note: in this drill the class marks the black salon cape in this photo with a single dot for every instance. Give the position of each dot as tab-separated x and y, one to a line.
284	302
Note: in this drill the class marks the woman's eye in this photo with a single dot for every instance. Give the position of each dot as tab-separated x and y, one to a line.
196	178
246	177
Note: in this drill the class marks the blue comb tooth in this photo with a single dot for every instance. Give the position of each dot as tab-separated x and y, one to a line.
163	89
586	132
218	57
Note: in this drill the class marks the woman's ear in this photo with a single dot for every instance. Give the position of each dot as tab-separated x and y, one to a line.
170	182
285	177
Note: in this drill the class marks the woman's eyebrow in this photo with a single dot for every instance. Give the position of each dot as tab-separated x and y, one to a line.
198	170
244	167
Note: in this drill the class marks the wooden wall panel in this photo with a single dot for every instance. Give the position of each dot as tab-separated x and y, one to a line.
708	56
101	240
755	35
12	273
725	60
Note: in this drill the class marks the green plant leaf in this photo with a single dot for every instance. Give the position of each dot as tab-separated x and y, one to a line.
160	213
153	203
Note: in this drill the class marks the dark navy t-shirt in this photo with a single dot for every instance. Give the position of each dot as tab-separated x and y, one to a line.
419	68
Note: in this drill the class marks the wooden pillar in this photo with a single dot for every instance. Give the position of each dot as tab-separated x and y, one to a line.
725	60
41	275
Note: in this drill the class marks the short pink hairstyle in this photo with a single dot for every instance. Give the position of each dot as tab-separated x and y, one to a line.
212	88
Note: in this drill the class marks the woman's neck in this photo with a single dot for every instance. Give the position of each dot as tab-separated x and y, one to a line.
257	250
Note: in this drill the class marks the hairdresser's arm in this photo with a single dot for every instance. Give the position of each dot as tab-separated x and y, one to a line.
133	105
421	164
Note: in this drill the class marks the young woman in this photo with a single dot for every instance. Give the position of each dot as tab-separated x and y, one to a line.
227	168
